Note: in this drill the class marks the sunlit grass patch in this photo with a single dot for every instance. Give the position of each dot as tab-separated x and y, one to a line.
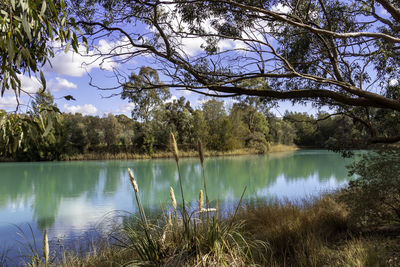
295	232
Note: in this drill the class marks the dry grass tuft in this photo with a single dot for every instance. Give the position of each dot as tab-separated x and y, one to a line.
173	199
295	232
174	147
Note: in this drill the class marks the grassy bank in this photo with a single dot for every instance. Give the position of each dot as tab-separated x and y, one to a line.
183	154
311	232
167	154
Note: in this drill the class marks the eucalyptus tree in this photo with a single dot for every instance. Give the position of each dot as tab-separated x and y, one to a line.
145	97
219	127
251	124
340	53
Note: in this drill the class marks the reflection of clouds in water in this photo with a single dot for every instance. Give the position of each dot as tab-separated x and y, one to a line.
19	204
298	188
77	214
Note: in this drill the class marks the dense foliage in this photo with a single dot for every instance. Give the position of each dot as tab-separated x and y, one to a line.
375	195
247	124
27	30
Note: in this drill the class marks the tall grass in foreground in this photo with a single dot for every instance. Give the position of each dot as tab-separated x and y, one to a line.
192	236
311	232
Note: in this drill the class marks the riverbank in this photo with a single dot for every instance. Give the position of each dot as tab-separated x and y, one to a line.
311	232
168	154
182	154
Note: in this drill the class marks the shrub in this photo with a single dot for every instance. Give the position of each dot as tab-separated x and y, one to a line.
258	142
374	197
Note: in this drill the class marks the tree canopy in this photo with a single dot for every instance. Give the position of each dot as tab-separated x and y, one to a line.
337	53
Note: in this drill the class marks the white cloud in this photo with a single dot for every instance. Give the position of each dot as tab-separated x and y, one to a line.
29	84
200	102
70	64
61	83
393	82
121	49
8	102
86	109
126	108
183	92
281	8
190	45
77	64
171	99
228	103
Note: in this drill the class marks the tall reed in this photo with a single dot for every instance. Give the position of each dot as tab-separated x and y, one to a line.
173	200
201	200
201	156
45	247
185	217
148	248
188	235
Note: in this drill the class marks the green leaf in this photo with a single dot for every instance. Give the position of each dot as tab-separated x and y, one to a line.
56	109
43	80
19	59
52	7
49	30
13	84
48	127
10	47
66	48
26	27
44	6
85	43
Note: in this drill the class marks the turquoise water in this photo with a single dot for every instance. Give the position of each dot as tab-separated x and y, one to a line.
70	198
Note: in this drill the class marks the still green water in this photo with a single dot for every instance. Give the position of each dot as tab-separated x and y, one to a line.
69	198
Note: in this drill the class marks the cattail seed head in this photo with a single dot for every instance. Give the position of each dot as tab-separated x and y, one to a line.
174	147
201	200
133	181
217	209
201	154
172	194
169	219
45	247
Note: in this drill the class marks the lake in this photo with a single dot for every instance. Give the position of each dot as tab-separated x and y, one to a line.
71	198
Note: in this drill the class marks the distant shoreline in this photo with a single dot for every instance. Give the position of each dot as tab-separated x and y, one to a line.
182	154
167	154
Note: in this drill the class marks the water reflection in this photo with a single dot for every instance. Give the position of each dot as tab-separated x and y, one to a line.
70	196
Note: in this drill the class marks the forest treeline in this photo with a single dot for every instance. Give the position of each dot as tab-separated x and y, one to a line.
248	124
